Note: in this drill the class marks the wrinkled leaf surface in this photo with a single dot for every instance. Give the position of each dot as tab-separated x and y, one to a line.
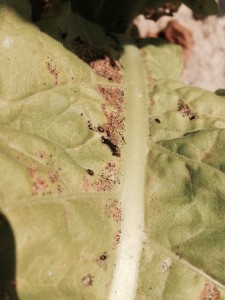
106	161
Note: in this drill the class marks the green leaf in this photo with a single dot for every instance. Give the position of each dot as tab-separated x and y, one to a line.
162	61
112	171
184	195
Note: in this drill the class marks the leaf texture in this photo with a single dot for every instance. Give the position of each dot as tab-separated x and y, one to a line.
112	171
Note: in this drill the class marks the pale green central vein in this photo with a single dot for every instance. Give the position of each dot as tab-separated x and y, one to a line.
132	194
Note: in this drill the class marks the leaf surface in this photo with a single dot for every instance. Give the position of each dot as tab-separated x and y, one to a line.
112	170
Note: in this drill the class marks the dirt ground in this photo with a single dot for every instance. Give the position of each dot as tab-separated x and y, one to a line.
205	66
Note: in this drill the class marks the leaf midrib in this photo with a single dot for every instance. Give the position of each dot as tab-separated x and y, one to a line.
125	277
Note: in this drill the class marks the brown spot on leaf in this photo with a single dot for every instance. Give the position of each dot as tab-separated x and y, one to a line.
116	239
39	186
41	154
152	120
209	292
104	183
90	125
111	166
31	170
60	189
113	111
113	96
53	176
152	102
110	176
112	210
99	59
87	280
86	184
186	111
208	155
52	70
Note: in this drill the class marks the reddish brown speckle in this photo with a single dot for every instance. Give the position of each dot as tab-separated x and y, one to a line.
87	280
116	239
86	184
53	71
31	170
60	189
39	186
152	102
209	292
53	176
113	111
111	166
186	111
108	179
41	154
112	210
90	125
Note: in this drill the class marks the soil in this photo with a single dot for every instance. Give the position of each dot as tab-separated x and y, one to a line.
205	65
99	59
